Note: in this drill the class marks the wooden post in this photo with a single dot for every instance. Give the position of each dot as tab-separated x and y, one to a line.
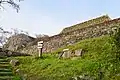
40	47
40	52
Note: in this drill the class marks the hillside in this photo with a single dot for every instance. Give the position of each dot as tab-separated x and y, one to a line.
99	62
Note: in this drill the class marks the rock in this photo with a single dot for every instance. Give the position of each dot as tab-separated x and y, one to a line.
17	71
79	52
17	42
14	62
67	53
9	53
60	54
2	54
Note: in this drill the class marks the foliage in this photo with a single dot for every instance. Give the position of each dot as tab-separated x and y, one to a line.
116	37
16	31
3	36
98	62
3	33
41	36
116	40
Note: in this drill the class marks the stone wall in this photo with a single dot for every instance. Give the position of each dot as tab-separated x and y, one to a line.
94	21
5	52
72	37
81	34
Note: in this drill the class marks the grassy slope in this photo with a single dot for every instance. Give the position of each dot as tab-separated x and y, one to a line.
99	56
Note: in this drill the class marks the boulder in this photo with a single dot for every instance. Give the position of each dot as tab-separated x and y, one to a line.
14	62
66	53
9	53
2	54
17	42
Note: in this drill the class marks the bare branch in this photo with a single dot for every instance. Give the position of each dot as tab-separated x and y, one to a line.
10	2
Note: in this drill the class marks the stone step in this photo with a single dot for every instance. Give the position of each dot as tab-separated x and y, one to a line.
4	60
6	77
5	66
5	70
6	74
3	57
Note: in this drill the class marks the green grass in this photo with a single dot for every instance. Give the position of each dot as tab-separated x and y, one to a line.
98	61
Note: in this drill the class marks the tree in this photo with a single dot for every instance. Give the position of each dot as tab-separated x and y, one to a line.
16	31
10	2
5	34
41	36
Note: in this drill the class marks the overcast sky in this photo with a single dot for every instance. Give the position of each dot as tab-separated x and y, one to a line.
51	16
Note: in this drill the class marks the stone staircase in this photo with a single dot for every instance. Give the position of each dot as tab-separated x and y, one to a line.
6	69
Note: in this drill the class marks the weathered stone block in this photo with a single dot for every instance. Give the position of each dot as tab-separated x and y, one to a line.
66	54
79	52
